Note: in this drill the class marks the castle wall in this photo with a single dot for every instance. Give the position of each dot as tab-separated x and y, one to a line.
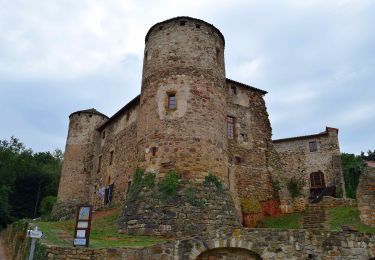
250	168
116	140
298	161
188	62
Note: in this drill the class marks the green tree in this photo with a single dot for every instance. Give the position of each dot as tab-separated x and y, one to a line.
352	167
369	157
25	179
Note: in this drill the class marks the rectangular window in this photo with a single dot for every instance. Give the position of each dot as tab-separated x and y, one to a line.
232	90
230	127
172	101
111	158
154	150
313	146
99	163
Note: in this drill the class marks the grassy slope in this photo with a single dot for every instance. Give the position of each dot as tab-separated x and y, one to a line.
288	221
335	218
103	233
347	216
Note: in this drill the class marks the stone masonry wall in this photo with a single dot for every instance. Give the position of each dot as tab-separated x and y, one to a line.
366	198
147	214
298	161
118	138
249	149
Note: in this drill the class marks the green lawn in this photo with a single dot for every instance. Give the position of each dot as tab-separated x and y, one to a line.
336	217
287	221
103	233
346	216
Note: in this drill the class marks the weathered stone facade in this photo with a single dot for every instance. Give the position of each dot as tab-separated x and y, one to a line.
188	118
304	156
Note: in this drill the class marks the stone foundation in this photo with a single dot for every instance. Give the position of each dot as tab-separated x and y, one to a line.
147	215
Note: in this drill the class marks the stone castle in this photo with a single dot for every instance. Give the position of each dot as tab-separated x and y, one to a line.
191	119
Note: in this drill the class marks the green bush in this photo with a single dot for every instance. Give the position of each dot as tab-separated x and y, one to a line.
46	205
211	179
136	185
149	180
169	186
250	206
295	186
352	166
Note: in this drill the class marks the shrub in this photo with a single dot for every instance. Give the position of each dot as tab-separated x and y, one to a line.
250	206
136	185
46	205
168	186
149	180
211	179
275	188
295	186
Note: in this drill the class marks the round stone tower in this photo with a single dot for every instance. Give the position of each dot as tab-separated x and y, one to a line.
78	162
182	119
182	127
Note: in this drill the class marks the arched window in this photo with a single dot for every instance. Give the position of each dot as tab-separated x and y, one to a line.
317	180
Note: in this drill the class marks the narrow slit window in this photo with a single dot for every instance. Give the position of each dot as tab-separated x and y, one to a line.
154	150
230	127
111	158
99	163
313	146
172	101
218	56
232	90
237	160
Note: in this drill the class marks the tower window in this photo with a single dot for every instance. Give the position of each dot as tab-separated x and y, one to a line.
111	158
237	160
103	134
230	127
182	23
197	25
154	150
313	146
232	90
171	101
218	56
99	163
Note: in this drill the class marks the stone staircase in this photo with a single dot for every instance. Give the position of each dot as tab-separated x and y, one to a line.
314	217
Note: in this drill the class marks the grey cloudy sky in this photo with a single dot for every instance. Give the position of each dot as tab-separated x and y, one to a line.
315	58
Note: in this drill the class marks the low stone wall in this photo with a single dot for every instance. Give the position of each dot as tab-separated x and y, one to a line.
264	244
366	198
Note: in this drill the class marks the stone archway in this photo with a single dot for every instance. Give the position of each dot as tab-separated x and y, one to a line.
228	253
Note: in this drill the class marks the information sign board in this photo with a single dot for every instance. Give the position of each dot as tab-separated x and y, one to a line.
83	226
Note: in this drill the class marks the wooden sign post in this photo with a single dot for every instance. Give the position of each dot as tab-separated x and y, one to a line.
83	226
